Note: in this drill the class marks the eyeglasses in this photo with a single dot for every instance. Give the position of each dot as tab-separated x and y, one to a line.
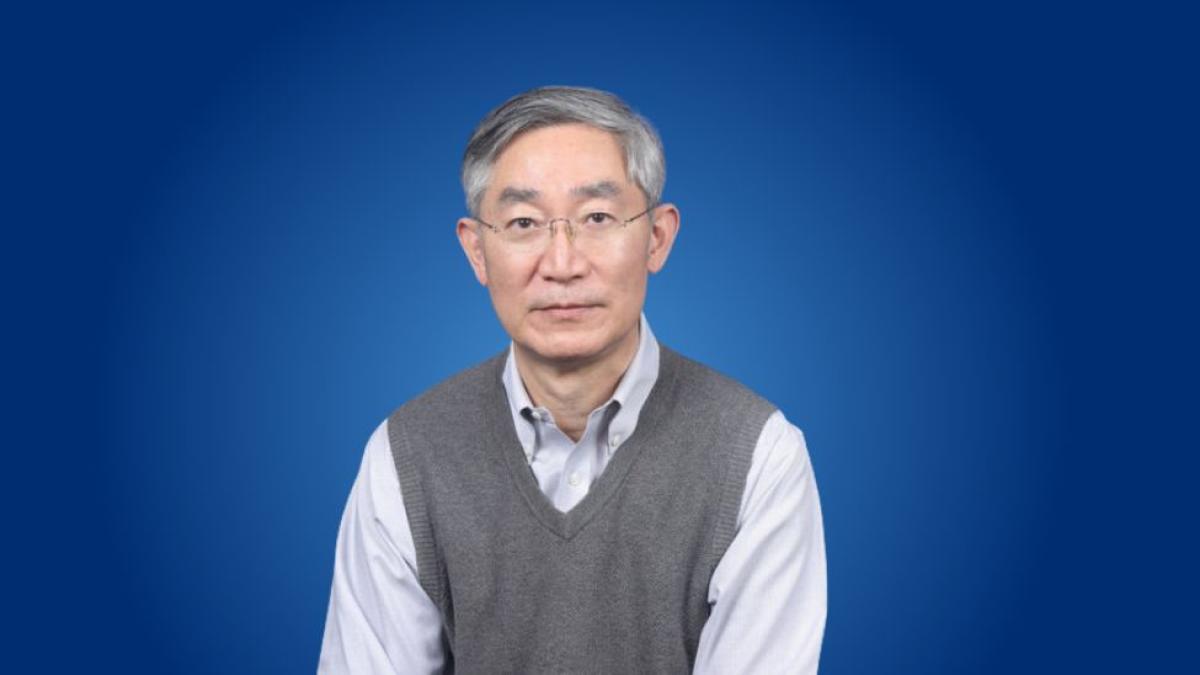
593	228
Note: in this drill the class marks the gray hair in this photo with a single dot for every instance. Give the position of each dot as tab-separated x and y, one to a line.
549	106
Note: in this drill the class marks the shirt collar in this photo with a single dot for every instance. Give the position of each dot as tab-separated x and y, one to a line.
630	395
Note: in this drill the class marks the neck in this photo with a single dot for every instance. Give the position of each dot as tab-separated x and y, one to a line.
572	390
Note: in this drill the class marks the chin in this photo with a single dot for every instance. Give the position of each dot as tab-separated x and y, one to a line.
567	346
569	342
567	350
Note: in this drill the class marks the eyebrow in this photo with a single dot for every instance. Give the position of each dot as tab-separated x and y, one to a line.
597	190
512	195
604	188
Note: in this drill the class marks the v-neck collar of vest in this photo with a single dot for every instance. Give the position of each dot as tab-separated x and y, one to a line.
605	487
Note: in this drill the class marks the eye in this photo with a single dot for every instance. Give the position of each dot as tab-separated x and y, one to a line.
521	224
599	218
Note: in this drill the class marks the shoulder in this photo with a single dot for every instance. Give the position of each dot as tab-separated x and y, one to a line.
460	391
781	485
782	448
444	422
702	385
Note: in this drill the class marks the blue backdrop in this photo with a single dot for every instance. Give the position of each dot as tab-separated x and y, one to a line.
951	244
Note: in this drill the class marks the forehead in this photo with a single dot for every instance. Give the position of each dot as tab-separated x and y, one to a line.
559	158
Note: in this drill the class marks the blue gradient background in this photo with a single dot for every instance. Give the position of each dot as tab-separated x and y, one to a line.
950	244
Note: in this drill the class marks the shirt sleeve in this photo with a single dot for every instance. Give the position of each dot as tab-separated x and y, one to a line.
379	619
768	594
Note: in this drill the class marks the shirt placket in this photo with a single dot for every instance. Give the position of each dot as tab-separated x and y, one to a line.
575	462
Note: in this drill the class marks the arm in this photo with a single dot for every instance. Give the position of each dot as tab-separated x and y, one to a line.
768	592
379	620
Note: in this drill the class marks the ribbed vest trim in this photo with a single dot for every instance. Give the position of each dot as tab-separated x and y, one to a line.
413	494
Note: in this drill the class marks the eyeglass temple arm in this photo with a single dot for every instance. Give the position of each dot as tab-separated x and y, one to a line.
640	215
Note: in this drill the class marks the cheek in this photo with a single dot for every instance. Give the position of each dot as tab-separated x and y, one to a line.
629	278
507	282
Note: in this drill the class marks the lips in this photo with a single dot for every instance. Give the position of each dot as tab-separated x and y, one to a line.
547	302
566	311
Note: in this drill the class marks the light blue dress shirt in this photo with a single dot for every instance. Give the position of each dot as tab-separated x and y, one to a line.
768	593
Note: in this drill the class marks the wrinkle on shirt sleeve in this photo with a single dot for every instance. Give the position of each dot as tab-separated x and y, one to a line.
379	618
768	593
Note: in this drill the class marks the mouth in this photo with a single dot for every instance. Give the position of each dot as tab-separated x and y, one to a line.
566	310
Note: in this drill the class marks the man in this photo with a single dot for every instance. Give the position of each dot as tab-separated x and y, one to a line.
588	500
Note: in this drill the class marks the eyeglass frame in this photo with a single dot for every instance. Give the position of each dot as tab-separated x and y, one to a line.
571	231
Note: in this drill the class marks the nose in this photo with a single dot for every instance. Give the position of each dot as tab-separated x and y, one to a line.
562	261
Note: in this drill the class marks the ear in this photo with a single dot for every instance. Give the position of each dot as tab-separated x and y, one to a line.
472	244
663	228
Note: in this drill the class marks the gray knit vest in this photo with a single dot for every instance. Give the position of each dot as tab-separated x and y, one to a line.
619	584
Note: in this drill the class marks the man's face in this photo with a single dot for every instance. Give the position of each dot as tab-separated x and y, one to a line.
567	301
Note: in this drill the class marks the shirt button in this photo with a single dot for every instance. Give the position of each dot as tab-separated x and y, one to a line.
615	440
574	479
